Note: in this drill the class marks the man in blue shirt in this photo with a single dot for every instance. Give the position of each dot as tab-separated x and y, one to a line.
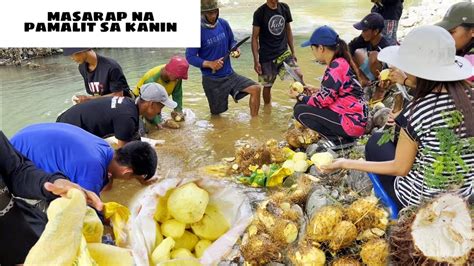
86	159
219	79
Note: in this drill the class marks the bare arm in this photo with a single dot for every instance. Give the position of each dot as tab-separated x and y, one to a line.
289	34
84	98
400	166
255	47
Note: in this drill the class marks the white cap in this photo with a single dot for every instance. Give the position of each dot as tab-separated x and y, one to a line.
154	92
428	52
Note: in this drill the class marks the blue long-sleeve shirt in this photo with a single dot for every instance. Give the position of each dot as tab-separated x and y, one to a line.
215	43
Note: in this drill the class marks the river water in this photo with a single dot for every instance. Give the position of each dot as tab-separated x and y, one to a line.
38	95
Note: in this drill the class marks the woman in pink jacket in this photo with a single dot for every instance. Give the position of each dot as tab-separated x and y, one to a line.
337	110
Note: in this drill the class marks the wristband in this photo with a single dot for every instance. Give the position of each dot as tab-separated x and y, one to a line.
404	81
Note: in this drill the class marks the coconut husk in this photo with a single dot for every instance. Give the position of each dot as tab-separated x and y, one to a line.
307	254
323	223
259	249
346	261
300	193
375	252
300	137
365	214
437	233
248	155
343	235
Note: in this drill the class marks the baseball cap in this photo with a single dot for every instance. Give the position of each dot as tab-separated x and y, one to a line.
371	21
178	66
71	51
457	14
323	35
154	92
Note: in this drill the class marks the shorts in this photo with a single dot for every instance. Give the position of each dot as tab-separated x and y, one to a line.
218	90
274	68
365	68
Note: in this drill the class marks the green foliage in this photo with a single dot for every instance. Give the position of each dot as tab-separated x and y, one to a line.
444	171
388	135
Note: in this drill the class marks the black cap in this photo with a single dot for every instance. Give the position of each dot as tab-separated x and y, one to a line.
371	21
71	51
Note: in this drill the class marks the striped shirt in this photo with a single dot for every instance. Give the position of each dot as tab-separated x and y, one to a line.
422	122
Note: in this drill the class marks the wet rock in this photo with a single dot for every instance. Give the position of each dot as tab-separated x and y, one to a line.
358	181
312	149
428	12
318	198
18	56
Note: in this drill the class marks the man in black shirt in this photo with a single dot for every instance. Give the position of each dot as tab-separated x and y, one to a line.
371	40
391	11
118	116
271	38
20	177
102	76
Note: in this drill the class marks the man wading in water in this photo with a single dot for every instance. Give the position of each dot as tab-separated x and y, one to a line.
271	38
218	78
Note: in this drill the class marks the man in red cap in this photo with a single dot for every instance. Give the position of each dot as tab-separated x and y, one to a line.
171	77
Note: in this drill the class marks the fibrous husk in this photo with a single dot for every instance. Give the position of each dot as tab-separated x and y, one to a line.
307	255
299	194
375	252
299	136
371	233
170	123
346	261
278	155
260	249
343	235
272	217
247	156
365	214
441	233
323	223
284	232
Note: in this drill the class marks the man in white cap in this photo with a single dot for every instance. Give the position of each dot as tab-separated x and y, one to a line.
118	116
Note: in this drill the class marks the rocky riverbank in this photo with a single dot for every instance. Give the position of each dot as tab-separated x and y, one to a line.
428	12
22	56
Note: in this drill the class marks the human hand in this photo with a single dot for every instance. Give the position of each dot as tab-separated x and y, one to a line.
80	98
397	76
364	82
310	89
60	187
334	166
293	94
215	65
391	118
257	67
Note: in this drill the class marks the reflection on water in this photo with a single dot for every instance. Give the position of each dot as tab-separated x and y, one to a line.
38	95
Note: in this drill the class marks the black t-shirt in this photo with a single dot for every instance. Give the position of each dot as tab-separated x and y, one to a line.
104	117
389	9
358	42
273	39
105	79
